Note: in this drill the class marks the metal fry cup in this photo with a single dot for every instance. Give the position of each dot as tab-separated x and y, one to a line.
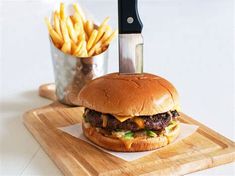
72	73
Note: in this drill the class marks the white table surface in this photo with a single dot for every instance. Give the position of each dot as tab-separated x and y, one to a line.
189	42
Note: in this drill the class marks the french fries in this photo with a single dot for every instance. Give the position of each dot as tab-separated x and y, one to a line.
66	48
65	32
89	27
78	48
110	38
77	35
94	48
57	39
57	23
79	11
72	33
92	39
62	13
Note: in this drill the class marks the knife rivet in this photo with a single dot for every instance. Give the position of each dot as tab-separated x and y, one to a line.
130	20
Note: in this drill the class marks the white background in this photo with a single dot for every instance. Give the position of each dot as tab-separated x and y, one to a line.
189	42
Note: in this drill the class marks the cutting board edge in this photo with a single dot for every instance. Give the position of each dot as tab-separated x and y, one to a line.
26	117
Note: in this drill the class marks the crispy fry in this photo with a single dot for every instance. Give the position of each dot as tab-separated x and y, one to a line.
77	19
78	36
57	23
98	50
64	30
107	33
106	20
57	39
93	49
62	13
73	47
72	33
92	39
101	29
100	33
83	51
111	37
89	27
86	37
66	48
79	11
78	29
82	37
78	48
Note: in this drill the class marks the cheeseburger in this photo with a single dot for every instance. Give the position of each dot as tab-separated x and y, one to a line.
130	112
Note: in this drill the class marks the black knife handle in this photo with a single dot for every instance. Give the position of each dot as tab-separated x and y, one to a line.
128	17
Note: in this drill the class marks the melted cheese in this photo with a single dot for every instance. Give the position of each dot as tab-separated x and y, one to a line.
122	118
127	143
139	122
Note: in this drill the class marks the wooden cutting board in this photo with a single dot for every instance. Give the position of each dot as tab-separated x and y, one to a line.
202	150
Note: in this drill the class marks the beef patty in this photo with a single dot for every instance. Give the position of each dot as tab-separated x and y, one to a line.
155	122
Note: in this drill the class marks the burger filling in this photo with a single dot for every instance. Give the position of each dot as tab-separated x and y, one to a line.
129	128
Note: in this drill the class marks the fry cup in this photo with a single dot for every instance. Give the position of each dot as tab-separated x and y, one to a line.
73	73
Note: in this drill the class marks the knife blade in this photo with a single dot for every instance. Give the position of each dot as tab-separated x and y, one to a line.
130	37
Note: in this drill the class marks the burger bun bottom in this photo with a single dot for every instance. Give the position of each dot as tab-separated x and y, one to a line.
137	145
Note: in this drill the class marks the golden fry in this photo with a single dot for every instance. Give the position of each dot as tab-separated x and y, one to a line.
62	11
82	37
57	39
92	39
111	37
66	48
98	51
78	36
78	29
77	19
89	27
64	30
83	51
57	23
106	20
107	33
77	50
79	12
100	33
86	37
73	47
72	33
93	49
101	29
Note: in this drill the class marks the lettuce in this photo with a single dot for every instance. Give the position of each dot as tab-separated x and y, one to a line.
170	126
128	135
151	133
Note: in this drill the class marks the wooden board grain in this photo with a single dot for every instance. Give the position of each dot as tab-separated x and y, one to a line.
202	150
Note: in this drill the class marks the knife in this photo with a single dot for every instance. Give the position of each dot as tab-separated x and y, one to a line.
130	38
